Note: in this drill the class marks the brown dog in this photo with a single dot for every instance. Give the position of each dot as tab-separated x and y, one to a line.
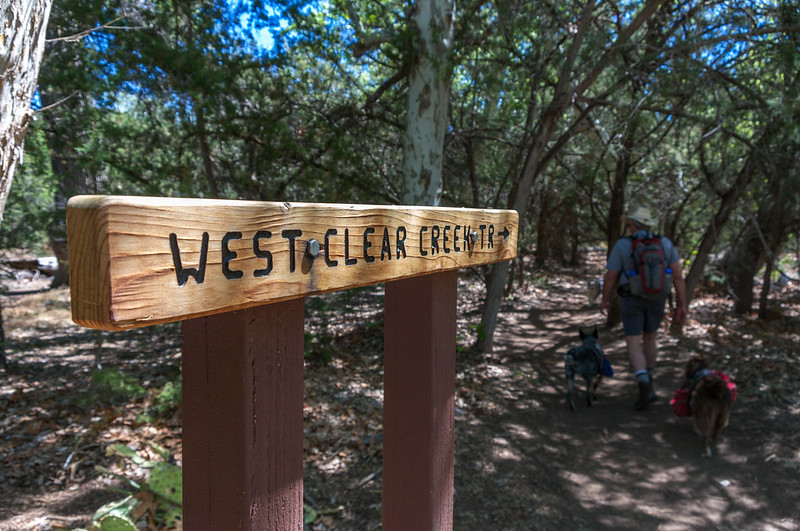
710	401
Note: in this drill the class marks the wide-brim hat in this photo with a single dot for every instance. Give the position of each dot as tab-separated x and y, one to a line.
641	215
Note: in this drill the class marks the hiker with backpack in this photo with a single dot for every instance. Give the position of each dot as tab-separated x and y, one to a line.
646	266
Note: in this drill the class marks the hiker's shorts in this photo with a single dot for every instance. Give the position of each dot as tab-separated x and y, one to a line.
641	315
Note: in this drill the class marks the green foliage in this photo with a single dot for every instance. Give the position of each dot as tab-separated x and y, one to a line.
169	397
31	202
158	499
165	480
114	385
310	514
185	102
165	401
115	516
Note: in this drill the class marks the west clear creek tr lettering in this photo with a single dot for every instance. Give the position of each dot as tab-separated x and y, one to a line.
432	240
140	261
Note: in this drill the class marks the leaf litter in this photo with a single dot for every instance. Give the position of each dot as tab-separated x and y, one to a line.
514	439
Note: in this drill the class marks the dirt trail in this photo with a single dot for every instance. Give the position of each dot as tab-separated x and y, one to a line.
524	461
610	467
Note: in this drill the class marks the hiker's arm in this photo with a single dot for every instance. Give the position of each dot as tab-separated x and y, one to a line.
609	283
681	308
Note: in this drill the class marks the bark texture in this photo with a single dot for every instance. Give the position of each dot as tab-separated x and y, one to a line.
428	98
22	35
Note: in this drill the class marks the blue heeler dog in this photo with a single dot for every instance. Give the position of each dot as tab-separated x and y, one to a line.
589	362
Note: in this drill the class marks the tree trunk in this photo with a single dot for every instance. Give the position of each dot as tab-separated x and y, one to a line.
72	178
543	229
566	91
763	308
727	203
741	266
428	99
763	237
22	33
205	148
615	211
3	361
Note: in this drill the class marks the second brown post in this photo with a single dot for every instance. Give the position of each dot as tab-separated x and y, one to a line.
419	402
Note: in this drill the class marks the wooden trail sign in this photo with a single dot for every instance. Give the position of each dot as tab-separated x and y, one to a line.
138	261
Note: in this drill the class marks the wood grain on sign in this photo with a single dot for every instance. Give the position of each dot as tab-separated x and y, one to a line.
137	261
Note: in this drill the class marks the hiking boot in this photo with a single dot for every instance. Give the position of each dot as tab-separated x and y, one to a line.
652	396
645	393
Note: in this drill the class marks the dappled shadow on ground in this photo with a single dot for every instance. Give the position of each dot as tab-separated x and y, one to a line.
523	459
531	463
57	419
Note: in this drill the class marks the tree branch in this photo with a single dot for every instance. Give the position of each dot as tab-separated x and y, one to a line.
107	26
56	104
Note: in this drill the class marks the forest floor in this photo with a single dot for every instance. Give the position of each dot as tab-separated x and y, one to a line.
523	459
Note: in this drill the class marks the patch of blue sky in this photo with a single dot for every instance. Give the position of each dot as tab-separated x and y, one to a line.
96	41
724	34
623	13
261	30
267	27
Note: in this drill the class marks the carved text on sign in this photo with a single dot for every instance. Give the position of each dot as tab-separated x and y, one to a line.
136	261
432	240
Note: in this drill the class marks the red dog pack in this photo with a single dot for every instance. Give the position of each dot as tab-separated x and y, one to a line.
680	402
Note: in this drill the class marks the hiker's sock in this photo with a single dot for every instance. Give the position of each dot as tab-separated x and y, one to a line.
642	377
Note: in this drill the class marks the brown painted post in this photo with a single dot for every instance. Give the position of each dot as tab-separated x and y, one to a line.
419	390
243	419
